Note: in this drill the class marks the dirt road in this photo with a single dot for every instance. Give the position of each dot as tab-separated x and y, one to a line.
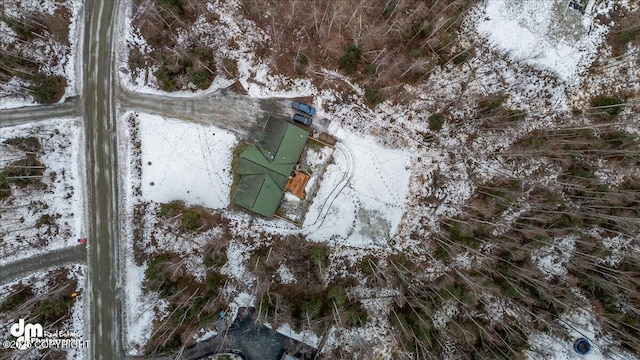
99	118
49	260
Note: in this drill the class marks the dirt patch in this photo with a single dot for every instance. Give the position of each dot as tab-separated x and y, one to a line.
625	31
58	25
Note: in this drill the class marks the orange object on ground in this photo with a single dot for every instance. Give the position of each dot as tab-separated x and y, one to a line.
297	183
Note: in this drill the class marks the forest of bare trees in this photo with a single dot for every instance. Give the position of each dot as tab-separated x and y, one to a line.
381	45
179	64
192	301
398	41
34	33
580	206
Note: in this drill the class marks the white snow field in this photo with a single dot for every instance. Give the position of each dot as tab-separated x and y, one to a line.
547	34
185	161
362	195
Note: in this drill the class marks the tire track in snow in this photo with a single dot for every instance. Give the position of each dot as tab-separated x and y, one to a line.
207	154
336	191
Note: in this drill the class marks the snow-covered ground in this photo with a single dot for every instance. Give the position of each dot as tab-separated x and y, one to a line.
362	195
551	259
61	200
185	161
54	57
547	34
255	77
140	311
580	323
361	198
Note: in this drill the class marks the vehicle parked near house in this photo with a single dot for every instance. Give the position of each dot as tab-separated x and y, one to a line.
302	119
304	108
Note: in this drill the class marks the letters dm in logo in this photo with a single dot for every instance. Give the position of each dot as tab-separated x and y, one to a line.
25	334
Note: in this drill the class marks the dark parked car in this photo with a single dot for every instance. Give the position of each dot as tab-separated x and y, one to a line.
302	107
302	119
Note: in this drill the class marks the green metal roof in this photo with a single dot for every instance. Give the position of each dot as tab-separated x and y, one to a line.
258	193
253	162
281	143
266	166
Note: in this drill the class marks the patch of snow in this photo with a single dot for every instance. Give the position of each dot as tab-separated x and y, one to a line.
185	161
242	299
237	254
78	311
290	197
610	176
619	246
16	9
552	258
141	309
73	64
361	197
443	315
510	216
580	323
255	78
463	260
544	33
285	275
206	335
497	308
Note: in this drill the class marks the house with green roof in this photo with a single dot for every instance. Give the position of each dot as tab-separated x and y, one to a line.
266	166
